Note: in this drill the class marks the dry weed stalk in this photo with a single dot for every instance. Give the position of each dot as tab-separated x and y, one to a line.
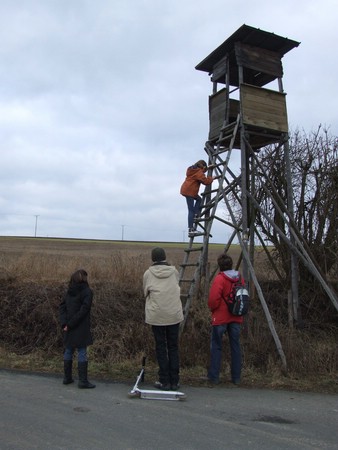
33	283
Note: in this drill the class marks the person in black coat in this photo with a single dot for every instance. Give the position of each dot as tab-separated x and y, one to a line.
75	322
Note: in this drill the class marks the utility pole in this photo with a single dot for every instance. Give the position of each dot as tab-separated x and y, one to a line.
122	231
36	224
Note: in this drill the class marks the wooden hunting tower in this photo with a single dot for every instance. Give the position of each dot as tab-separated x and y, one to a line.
247	111
243	64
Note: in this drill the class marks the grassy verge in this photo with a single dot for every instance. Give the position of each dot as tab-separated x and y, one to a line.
34	274
127	371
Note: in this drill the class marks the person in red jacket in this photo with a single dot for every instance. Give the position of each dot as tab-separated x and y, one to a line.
223	321
190	187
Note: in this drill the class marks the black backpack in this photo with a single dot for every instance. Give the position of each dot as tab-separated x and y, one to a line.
238	298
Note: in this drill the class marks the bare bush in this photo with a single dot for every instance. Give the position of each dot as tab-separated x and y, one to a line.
314	173
32	286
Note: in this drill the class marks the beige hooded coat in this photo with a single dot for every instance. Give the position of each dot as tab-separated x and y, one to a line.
162	292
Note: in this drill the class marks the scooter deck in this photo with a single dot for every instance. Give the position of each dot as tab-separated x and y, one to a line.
151	394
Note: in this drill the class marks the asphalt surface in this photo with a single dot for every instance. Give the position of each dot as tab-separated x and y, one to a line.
38	412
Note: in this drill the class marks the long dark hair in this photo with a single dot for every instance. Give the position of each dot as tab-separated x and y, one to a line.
79	276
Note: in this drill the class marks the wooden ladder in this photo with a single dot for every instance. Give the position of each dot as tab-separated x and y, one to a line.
196	254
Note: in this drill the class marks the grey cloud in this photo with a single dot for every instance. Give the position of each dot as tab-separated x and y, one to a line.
101	109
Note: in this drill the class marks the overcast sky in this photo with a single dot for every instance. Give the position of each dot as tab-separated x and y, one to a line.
102	110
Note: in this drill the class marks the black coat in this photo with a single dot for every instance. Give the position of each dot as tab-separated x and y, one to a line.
75	313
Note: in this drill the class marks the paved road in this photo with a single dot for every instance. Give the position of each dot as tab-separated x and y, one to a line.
38	412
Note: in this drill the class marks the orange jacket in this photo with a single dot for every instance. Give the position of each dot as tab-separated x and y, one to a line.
194	177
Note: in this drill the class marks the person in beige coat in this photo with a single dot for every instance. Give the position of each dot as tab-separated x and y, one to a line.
163	311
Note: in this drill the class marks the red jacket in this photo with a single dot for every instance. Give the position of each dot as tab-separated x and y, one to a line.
219	290
194	177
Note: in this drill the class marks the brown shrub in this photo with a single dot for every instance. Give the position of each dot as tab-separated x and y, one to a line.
32	284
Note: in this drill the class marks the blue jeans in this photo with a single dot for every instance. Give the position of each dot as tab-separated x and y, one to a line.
194	209
166	344
233	330
81	354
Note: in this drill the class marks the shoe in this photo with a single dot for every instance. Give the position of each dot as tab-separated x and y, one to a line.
67	379
193	233
162	386
236	382
213	382
86	385
83	380
209	380
175	387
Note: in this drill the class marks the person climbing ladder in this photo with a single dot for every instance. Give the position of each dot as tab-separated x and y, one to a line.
189	189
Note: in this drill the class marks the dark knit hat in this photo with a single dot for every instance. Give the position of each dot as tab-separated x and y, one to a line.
158	254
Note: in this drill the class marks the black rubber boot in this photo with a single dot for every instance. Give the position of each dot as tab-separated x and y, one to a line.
83	380
67	366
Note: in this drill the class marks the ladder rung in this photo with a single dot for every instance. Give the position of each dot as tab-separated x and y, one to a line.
204	232
227	137
190	265
194	249
208	206
187	281
223	150
229	126
212	191
219	165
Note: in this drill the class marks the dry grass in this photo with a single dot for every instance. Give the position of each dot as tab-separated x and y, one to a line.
33	277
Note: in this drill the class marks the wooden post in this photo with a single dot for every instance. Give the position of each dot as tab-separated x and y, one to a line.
293	258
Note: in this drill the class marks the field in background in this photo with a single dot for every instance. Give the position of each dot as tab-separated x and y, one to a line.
34	273
28	256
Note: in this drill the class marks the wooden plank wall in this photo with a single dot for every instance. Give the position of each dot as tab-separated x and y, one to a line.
263	108
259	60
217	104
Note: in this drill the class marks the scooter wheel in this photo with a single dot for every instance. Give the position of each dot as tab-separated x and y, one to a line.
133	394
